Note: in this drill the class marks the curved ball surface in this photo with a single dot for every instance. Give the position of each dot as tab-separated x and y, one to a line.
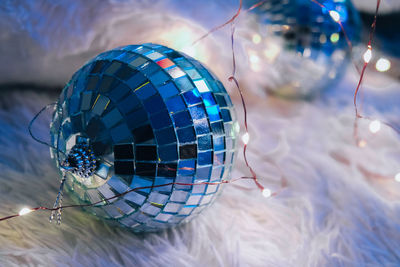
152	116
299	49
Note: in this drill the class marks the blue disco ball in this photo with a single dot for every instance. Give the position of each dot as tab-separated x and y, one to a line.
300	49
139	117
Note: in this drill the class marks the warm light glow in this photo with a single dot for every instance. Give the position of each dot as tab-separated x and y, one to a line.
397	177
367	55
322	39
334	37
335	15
375	126
272	51
25	211
382	65
266	192
362	143
246	138
256	38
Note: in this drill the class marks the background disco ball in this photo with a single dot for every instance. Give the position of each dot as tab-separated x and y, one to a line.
151	116
297	48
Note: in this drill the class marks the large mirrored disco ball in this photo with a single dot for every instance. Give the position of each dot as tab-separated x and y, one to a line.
151	116
297	48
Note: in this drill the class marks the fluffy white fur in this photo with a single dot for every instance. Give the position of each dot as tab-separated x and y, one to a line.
332	212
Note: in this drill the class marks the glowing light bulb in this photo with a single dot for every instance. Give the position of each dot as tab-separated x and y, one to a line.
256	38
334	15
375	126
397	177
246	138
266	193
334	37
382	65
362	143
25	211
367	55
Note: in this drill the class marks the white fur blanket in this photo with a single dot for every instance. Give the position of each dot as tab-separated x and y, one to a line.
334	211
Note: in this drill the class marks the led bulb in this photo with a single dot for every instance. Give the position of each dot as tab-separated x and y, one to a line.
375	126
335	15
382	65
25	211
246	138
266	193
367	55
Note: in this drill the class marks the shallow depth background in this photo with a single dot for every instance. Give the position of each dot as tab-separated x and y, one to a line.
333	212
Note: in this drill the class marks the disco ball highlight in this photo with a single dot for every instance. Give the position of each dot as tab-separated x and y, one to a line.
145	117
297	48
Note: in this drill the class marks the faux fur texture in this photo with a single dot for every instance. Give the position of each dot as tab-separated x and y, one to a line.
340	207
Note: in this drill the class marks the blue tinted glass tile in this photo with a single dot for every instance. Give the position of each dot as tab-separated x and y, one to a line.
149	68
125	72
201	126
193	74
159	78
185	180
143	134
219	158
107	84
117	184
123	151
168	90
174	55
155	104
135	197
204	142
186	135
73	106
192	97
217	128
193	200
187	167
136	118
184	84
154	55
203	172
168	153
182	119
160	120
92	83
100	104
163	181
112	68
179	196
138	181
129	103
99	66
93	127
146	152
215	87
204	158
208	99
167	169
197	112
145	91
164	217
216	173
226	116
172	207
145	169
124	167
213	113
175	104
136	80
158	198
112	118
76	121
228	129
183	63
199	189
166	136
120	91
142	50
86	100
127	57
219	143
188	151
187	210
136	62
120	133
221	100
